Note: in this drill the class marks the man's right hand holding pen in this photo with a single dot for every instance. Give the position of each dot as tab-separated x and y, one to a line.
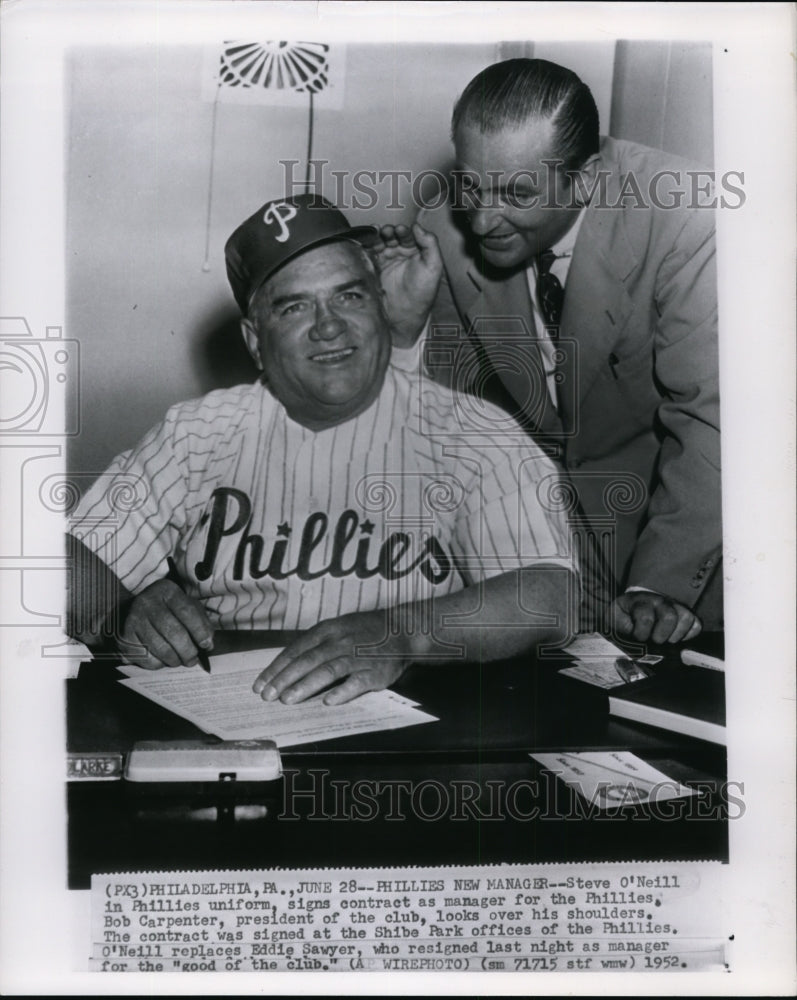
160	627
164	627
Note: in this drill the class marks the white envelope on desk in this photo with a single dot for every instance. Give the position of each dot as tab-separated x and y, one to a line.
611	778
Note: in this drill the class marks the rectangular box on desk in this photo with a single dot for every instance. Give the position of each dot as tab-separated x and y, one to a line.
191	761
682	699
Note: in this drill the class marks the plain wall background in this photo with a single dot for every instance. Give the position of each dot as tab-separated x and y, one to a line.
155	326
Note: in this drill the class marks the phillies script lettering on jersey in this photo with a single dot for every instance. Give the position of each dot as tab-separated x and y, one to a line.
275	526
231	513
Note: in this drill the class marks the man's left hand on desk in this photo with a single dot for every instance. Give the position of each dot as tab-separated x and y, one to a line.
644	614
326	653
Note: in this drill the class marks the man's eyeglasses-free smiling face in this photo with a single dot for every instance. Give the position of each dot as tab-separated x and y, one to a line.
518	203
319	331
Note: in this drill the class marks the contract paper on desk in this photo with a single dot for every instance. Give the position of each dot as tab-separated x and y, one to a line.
223	703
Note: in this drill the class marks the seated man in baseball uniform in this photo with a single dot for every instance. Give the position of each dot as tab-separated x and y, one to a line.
338	495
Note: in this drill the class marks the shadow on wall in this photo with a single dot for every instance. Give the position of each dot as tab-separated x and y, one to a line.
218	353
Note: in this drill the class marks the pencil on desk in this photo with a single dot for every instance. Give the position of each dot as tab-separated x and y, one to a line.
174	576
694	659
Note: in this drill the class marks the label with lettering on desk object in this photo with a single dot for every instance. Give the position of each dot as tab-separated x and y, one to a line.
684	699
193	760
95	766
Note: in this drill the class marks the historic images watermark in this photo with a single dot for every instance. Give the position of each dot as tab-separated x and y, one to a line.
666	190
317	795
39	411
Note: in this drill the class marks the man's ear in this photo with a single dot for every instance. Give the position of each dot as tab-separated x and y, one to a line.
252	341
588	175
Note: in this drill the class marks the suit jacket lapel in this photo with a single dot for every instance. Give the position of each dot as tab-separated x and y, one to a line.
596	304
501	317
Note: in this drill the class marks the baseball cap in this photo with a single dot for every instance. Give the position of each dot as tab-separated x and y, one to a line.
277	232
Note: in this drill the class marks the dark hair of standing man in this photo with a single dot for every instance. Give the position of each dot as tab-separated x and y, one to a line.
511	93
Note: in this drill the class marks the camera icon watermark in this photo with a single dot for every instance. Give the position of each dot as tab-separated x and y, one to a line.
40	381
39	407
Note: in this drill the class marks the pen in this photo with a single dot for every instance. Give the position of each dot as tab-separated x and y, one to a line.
174	576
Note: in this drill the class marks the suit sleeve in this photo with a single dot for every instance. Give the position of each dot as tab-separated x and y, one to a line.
681	543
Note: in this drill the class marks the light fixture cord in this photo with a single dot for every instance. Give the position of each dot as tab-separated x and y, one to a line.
206	264
309	143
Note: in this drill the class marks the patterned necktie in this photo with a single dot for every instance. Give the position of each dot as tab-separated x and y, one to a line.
550	293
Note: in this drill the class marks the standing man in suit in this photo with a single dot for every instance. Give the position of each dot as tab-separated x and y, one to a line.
580	292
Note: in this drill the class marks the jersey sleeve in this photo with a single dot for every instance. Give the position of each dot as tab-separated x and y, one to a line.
132	515
513	517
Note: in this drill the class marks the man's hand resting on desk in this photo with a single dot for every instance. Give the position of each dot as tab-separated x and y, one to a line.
326	653
643	615
467	622
164	628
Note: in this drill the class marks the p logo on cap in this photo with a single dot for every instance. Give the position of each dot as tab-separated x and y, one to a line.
280	212
279	231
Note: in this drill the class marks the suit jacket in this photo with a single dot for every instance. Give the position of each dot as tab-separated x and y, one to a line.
637	425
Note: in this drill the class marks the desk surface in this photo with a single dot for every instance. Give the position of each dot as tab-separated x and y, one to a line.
511	704
491	716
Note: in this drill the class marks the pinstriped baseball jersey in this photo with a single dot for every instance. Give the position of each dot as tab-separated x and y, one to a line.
276	526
